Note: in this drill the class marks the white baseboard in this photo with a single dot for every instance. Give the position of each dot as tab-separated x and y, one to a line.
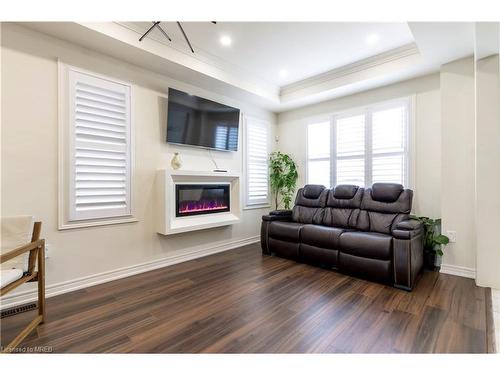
15	299
458	271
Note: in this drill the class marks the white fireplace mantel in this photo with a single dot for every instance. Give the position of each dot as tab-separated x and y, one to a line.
166	220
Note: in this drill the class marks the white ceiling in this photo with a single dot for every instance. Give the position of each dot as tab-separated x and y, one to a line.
323	60
264	49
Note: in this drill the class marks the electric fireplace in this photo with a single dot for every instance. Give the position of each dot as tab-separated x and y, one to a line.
201	199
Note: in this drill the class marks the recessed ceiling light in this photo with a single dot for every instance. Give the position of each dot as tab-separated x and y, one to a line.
225	40
283	73
372	39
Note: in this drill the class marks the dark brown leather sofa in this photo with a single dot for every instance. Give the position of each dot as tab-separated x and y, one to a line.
364	232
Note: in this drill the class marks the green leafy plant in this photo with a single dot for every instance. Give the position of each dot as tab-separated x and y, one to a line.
283	175
433	240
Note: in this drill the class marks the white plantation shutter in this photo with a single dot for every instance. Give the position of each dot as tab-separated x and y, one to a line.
369	145
257	169
389	128
350	150
318	153
100	150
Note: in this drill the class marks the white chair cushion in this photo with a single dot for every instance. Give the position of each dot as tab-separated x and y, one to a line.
8	276
16	231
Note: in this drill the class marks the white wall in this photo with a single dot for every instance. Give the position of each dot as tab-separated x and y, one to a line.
488	171
292	130
30	150
457	168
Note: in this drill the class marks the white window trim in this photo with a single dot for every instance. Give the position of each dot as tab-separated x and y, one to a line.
64	156
408	101
247	206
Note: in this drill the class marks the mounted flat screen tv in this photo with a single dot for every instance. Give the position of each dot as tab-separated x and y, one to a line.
201	122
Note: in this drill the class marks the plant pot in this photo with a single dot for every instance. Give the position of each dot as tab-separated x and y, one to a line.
430	260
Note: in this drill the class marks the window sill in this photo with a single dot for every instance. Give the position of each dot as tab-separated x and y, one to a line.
256	207
94	223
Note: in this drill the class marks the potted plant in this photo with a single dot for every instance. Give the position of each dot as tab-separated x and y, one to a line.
433	240
283	176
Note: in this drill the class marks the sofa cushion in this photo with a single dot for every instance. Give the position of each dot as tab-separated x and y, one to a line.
385	192
320	236
344	192
342	206
10	275
285	249
313	191
314	254
366	244
375	269
384	205
16	231
387	198
284	230
309	204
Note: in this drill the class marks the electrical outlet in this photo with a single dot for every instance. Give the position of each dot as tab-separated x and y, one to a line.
47	250
452	235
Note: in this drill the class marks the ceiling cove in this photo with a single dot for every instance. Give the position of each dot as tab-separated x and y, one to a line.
230	58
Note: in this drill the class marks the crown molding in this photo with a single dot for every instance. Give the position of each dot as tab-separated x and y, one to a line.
403	52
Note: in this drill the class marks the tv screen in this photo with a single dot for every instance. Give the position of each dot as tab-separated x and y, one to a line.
201	122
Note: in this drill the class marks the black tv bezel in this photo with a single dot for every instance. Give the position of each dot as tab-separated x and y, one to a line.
200	146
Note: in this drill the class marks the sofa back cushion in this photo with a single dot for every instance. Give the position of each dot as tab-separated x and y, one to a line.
309	204
343	206
383	206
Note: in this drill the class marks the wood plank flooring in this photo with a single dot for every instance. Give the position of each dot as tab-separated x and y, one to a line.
240	301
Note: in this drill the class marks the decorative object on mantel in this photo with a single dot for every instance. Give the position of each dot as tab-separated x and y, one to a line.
176	161
433	241
283	175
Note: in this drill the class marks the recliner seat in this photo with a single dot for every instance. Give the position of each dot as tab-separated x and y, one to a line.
359	231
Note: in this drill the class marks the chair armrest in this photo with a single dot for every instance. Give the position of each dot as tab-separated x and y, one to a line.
21	250
408	229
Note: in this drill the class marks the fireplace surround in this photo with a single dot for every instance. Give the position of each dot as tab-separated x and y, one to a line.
186	200
201	199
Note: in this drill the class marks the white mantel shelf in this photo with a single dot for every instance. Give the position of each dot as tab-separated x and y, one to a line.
168	223
180	172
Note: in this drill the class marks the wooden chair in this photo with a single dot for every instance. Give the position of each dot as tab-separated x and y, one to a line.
22	260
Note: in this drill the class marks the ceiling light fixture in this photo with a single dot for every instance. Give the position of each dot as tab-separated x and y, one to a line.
372	39
225	40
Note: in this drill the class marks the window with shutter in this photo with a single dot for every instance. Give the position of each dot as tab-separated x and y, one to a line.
389	145
368	145
257	169
99	147
318	153
350	150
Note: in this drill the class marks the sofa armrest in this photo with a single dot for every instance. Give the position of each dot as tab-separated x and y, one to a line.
408	253
280	215
408	229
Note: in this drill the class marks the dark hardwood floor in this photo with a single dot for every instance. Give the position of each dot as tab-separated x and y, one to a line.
240	301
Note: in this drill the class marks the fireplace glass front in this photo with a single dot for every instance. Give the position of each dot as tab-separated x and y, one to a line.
201	199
